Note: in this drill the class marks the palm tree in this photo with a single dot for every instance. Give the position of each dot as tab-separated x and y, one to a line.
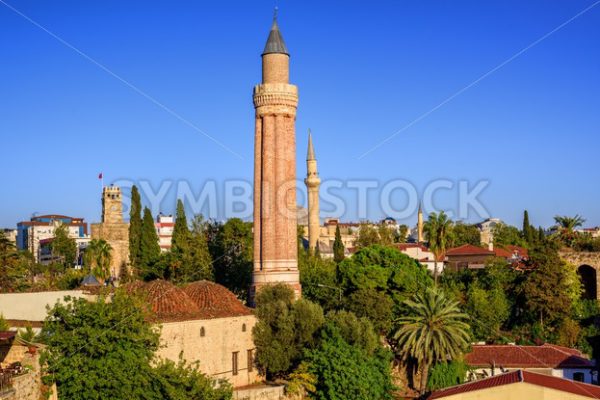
434	330
98	256
567	225
437	228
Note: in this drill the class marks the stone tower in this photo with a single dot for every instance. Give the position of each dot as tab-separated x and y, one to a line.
420	225
312	182
275	234
113	229
112	205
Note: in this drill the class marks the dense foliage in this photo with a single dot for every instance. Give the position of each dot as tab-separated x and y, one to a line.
105	350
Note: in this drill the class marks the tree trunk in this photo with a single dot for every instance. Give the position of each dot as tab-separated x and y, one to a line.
424	375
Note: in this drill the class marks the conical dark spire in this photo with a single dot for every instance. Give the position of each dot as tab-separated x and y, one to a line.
310	155
275	43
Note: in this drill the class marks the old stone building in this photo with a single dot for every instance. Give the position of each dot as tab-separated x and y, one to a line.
275	235
203	322
113	229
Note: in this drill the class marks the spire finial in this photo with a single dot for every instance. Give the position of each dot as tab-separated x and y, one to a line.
275	43
311	151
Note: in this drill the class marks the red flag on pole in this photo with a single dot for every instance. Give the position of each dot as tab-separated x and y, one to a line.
100	176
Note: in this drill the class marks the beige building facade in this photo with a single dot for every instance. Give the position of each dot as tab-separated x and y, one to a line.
206	324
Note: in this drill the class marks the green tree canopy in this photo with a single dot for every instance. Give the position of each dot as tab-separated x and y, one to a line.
181	232
338	246
97	258
507	235
105	350
149	249
438	229
285	329
355	331
465	234
99	350
347	372
384	269
135	228
64	246
231	248
433	330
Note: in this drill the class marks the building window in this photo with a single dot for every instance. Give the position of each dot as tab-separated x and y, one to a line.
243	327
250	360
234	362
579	376
202	332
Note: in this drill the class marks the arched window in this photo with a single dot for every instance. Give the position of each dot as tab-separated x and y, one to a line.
202	332
243	327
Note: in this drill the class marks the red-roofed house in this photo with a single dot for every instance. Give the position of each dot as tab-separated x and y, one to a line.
420	253
548	359
522	385
467	256
475	257
203	322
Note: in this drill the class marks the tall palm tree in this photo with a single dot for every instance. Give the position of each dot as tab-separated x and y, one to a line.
434	330
567	225
438	228
98	256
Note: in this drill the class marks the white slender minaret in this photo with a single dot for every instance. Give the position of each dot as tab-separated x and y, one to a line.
420	238
312	182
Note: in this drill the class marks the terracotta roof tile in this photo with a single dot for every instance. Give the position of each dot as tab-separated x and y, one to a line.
166	301
514	356
468	249
198	300
215	301
552	382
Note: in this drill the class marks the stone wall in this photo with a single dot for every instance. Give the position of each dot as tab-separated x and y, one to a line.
260	392
117	235
212	343
32	306
579	258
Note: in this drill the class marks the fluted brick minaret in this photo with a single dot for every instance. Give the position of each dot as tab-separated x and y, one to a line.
312	182
275	234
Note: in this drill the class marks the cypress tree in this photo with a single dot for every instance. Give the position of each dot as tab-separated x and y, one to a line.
135	227
181	231
541	235
527	231
149	247
338	246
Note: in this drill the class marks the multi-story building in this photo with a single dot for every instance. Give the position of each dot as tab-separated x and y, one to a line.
39	230
486	230
10	234
164	229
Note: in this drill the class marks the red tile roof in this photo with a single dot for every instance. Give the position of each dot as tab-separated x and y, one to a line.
514	356
510	251
215	301
518	376
405	246
198	300
469	250
7	335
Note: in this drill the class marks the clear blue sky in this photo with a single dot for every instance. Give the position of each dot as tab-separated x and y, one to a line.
364	70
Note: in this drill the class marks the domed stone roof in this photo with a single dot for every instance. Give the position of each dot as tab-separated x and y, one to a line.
215	301
166	301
